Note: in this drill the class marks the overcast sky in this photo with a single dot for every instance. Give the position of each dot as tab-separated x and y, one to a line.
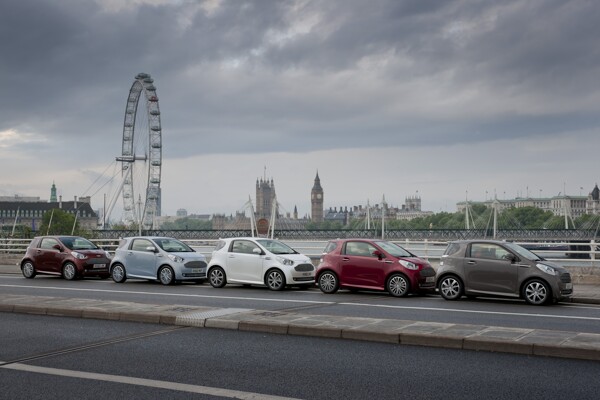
445	98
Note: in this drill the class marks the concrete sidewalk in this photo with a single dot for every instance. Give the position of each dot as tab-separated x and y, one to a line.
584	346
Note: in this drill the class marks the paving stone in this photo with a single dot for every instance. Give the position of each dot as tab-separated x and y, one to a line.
431	340
424	327
546	337
266	326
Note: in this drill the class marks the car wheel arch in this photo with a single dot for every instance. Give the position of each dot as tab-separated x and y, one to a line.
402	274
539	279
271	269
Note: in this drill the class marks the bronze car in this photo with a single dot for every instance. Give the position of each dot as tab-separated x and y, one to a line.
495	268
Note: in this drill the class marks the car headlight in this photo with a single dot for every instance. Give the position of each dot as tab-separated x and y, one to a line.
546	268
285	261
175	258
78	255
409	265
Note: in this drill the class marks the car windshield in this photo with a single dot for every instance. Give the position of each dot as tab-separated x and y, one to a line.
77	243
276	247
173	245
394	249
523	252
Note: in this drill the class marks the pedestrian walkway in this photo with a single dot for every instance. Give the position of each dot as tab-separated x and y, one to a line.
538	342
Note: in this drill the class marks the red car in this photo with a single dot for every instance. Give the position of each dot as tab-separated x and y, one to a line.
71	257
373	265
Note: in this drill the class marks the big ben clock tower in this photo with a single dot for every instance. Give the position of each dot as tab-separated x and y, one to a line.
316	200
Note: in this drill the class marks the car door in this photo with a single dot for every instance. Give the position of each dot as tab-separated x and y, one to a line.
359	267
488	268
141	262
48	257
243	264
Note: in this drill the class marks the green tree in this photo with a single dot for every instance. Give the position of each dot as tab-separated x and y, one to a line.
188	223
60	222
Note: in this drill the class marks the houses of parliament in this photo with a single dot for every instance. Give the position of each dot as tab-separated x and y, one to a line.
266	205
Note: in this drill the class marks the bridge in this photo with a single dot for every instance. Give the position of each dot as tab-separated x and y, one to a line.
534	235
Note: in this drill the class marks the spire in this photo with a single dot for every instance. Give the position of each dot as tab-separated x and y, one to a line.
317	185
53	198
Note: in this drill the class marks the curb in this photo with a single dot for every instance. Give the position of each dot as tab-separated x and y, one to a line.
532	342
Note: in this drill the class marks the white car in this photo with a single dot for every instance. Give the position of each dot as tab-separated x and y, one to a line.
256	261
162	259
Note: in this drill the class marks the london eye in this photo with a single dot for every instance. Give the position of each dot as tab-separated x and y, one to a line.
141	154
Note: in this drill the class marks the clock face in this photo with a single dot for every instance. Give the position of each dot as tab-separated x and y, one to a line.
319	196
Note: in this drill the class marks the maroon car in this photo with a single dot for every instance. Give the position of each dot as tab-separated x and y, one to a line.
373	265
71	257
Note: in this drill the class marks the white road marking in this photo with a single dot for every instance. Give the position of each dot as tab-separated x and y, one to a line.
181	387
169	294
471	311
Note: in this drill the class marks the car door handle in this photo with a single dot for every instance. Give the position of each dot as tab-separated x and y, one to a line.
471	262
345	259
231	256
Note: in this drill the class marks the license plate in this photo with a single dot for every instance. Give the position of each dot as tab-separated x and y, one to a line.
99	266
430	279
568	286
197	270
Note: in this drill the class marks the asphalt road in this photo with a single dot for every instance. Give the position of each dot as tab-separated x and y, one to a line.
64	358
492	312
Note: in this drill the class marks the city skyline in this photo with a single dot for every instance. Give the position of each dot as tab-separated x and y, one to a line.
391	98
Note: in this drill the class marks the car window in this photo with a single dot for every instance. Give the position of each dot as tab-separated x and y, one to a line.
141	244
173	245
243	246
331	246
359	249
78	243
489	251
452	249
394	249
48	243
276	247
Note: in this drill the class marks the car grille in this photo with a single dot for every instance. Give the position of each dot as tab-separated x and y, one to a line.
195	264
565	277
427	271
304	279
304	267
199	275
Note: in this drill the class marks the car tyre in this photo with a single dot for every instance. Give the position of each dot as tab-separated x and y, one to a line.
118	273
275	280
537	292
217	277
69	271
28	270
398	285
166	276
451	287
329	282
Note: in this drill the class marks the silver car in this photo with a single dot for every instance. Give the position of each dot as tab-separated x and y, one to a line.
162	259
495	268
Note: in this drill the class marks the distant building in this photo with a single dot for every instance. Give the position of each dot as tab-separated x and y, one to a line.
574	206
31	213
182	212
316	200
265	197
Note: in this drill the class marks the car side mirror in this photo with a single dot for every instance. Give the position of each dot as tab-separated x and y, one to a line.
378	254
151	249
510	257
256	250
57	247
